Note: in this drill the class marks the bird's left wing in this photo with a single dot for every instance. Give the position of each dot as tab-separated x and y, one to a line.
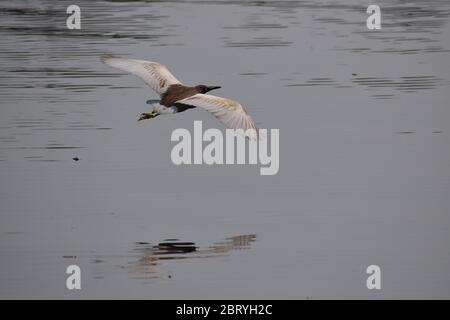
156	75
227	111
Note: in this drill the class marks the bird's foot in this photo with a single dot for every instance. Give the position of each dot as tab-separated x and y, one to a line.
148	115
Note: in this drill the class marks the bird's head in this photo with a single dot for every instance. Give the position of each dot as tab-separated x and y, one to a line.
204	89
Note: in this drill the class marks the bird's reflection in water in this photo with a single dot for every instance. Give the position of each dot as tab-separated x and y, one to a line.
152	256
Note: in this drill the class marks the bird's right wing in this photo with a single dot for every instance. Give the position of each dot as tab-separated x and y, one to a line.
227	111
156	75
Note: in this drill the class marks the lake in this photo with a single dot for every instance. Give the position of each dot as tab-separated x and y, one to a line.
364	175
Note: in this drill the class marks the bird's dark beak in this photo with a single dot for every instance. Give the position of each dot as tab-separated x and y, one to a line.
213	88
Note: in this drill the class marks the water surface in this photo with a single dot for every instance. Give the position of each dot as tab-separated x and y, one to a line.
364	160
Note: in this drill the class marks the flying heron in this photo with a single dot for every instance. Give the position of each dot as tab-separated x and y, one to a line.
176	97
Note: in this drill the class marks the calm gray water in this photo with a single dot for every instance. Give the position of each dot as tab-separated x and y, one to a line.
364	174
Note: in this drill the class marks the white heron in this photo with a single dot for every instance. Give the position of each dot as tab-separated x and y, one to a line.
176	97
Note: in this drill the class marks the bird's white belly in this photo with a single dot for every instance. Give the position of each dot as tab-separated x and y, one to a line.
163	109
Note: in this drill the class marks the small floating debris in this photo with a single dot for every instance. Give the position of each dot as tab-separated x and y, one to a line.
97	261
440	131
405	132
75	159
14	232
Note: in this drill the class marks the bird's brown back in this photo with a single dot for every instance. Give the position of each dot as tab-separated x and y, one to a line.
177	92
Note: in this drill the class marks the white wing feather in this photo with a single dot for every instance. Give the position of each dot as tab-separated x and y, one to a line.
227	111
156	75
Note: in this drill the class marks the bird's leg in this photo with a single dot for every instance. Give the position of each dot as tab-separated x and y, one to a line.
148	115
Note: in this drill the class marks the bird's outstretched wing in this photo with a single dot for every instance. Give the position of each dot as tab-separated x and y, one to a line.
227	111
156	75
